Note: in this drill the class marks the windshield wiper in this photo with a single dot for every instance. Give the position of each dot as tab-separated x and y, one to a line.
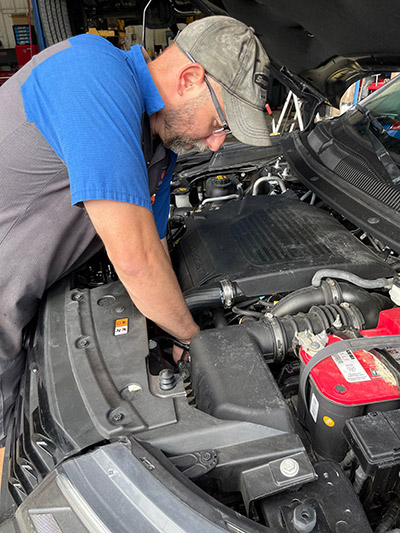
383	155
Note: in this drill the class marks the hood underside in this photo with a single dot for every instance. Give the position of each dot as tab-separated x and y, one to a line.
328	45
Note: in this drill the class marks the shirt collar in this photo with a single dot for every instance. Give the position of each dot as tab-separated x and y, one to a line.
151	97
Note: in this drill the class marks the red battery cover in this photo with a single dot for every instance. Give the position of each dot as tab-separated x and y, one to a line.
376	381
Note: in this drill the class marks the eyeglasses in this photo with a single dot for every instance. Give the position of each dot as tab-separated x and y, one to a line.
225	130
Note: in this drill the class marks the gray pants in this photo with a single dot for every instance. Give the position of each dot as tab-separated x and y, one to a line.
41	235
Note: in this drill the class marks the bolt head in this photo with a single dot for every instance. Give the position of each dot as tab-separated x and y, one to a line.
82	343
152	344
77	296
289	467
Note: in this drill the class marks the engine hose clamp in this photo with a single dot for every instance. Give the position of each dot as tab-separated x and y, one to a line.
280	344
228	295
332	288
354	315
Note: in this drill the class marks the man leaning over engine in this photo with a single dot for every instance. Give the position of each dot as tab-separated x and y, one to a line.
89	136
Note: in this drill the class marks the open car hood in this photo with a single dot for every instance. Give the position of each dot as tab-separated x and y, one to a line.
320	48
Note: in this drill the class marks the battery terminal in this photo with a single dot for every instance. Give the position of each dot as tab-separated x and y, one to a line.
312	343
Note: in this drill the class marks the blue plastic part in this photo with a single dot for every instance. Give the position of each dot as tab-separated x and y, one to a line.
356	92
41	39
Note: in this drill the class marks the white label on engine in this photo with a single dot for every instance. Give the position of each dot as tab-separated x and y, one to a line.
314	407
350	367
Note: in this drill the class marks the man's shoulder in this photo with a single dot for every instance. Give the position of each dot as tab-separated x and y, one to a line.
93	43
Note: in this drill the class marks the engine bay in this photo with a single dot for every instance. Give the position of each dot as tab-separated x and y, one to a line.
290	399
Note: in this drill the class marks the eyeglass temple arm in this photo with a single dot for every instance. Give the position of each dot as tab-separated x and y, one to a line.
213	95
216	104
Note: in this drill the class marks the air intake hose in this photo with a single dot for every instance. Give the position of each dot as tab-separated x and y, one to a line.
222	294
333	292
275	336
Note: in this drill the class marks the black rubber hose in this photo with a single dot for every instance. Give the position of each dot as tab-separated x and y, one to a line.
370	304
246	312
219	318
300	301
389	517
275	336
198	299
379	283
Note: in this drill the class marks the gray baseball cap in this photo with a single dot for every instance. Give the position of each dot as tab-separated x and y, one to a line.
233	56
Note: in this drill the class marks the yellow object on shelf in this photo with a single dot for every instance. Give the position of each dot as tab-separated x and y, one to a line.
102	33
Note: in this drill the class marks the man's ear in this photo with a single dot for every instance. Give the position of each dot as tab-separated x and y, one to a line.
190	78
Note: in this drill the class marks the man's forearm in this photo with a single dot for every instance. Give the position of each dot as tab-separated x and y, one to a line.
165	247
143	265
155	291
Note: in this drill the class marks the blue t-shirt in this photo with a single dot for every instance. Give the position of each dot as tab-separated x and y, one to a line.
87	101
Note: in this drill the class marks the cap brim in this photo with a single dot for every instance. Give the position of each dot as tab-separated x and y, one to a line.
248	125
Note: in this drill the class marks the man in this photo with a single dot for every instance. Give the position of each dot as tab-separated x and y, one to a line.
81	158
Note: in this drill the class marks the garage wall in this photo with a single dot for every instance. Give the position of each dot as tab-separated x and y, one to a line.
8	7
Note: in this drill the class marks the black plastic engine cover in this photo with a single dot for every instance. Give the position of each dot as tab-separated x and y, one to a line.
269	244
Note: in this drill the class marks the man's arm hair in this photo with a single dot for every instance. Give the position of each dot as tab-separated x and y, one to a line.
130	236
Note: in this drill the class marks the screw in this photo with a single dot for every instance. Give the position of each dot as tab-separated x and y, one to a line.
77	296
206	456
117	416
82	343
341	389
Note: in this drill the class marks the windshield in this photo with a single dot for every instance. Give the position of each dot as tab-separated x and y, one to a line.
384	106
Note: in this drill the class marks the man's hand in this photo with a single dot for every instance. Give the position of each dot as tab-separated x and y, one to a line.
133	246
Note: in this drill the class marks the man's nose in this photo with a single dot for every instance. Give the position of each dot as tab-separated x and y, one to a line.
214	142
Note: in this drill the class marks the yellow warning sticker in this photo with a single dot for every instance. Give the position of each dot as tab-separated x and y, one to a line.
121	326
328	421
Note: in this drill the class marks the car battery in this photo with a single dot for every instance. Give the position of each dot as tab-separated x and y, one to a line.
349	384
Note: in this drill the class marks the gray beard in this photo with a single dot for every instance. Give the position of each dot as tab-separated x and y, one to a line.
184	145
174	119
